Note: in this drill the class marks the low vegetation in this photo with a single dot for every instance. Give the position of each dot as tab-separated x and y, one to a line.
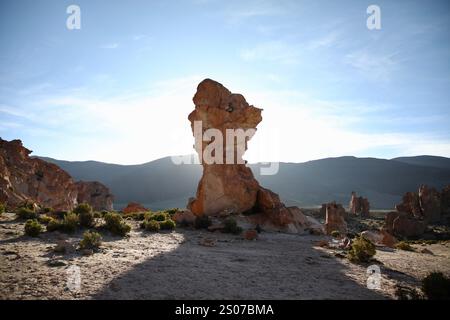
335	234
115	224
2	208
362	250
436	286
91	240
230	226
158	221
85	215
44	219
69	224
33	228
402	245
150	225
26	213
202	222
167	224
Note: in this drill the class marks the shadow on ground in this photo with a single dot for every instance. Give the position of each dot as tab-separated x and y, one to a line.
277	266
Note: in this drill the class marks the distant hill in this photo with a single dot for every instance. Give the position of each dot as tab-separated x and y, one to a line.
428	161
160	183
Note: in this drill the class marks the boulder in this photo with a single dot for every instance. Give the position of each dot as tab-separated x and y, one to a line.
184	217
96	194
404	224
379	238
133	207
250	234
335	218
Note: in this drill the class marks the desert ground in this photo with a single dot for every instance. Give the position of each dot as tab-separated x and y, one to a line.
177	265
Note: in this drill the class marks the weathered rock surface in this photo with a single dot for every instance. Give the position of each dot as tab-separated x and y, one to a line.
417	210
404	224
23	178
335	218
226	188
430	204
96	194
359	205
379	237
184	217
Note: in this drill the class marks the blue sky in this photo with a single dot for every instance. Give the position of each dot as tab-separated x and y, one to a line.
120	89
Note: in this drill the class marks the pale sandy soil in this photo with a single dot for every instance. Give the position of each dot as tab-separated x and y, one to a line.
174	265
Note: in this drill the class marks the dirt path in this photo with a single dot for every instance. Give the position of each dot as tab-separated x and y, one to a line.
175	266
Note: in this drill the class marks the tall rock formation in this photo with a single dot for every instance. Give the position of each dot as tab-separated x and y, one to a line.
230	188
359	205
335	218
31	179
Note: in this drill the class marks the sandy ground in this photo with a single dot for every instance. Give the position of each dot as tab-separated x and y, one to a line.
173	265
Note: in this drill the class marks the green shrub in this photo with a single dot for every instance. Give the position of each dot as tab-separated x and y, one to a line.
69	224
97	215
151	225
26	213
335	234
168	224
44	219
230	226
85	214
172	211
436	286
138	216
60	214
33	228
202	222
54	225
362	250
402	245
91	240
2	208
82	208
158	216
116	225
47	210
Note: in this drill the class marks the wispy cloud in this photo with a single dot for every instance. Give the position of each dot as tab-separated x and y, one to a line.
374	66
114	45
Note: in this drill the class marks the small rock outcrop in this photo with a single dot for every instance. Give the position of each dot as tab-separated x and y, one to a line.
134	207
96	194
417	211
230	188
335	218
359	205
26	179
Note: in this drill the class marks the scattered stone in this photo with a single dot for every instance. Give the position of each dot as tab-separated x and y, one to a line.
56	263
207	242
64	246
250	234
87	252
426	251
322	243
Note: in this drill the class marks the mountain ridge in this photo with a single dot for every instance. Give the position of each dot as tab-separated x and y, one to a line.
160	183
